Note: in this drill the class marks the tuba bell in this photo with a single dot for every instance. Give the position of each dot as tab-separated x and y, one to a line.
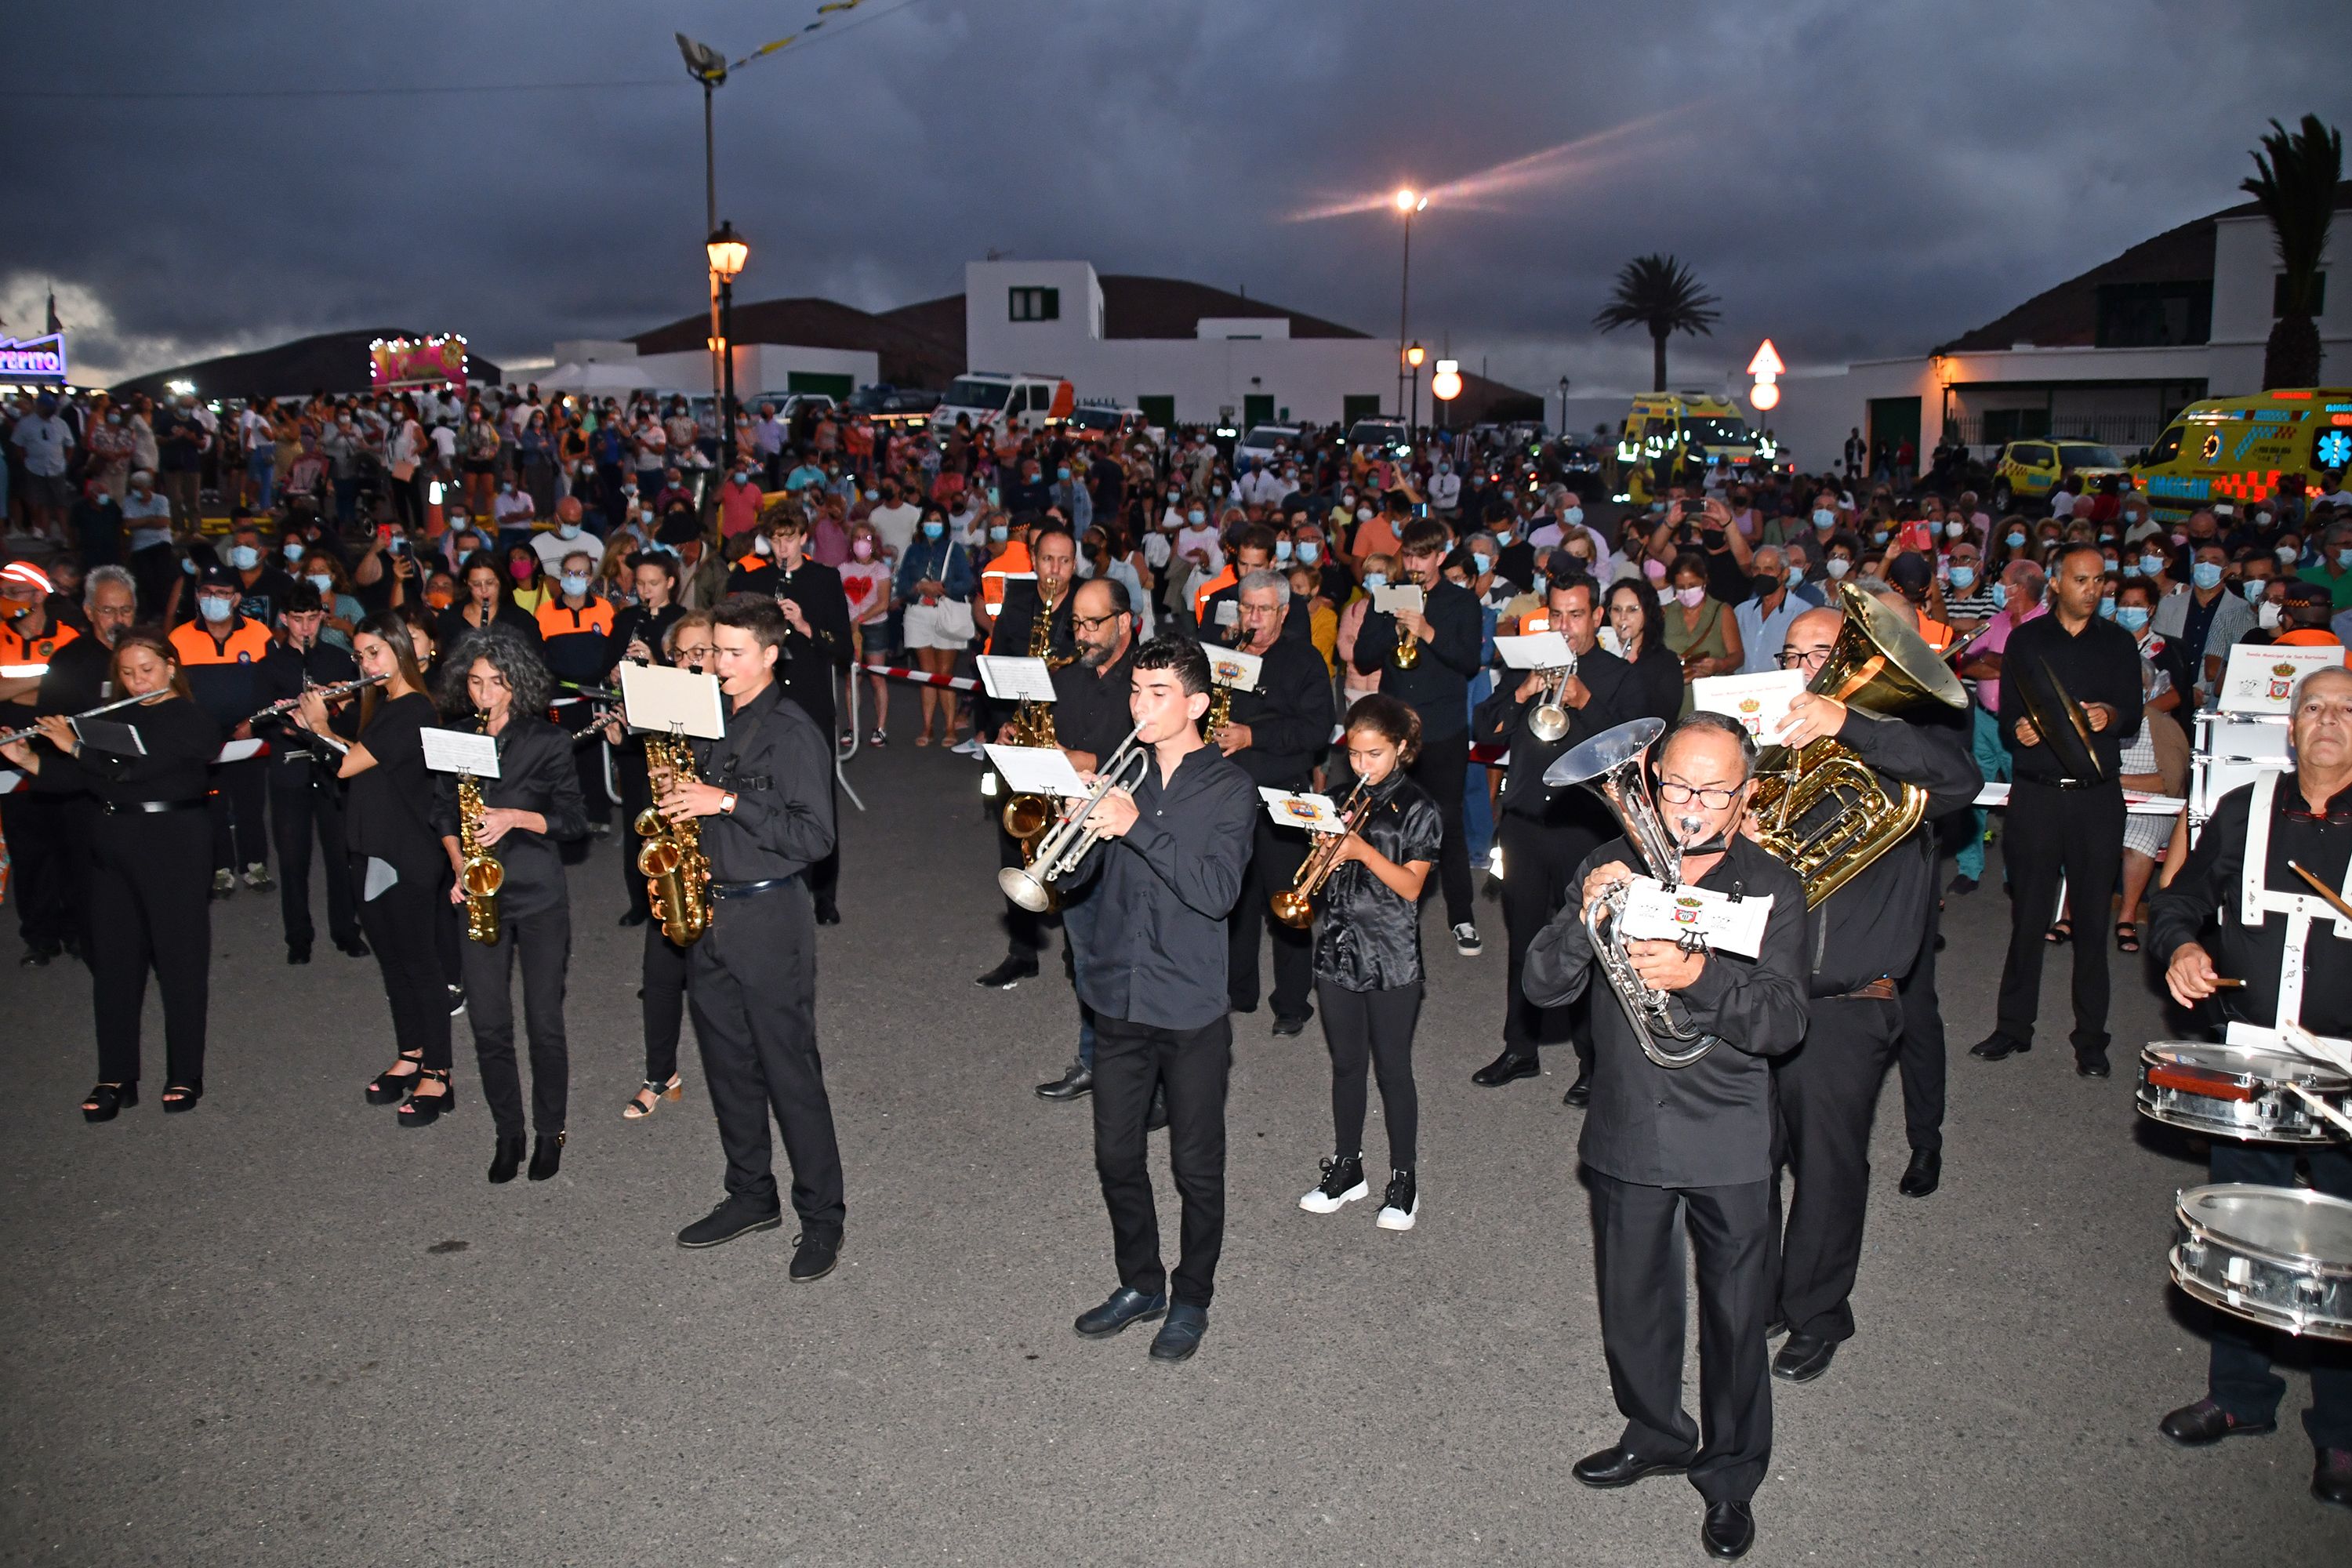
1820	809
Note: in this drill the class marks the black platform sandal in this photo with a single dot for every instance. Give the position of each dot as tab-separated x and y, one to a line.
180	1097
389	1086
423	1110
108	1100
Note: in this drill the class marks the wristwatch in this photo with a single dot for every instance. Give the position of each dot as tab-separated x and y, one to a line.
726	804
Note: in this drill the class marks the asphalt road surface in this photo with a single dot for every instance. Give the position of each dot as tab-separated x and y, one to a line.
282	1330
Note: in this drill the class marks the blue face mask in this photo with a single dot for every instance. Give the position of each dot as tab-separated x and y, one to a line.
1281	550
1308	552
1197	516
1376	579
1962	577
2133	618
2344	557
873	495
2000	595
216	610
325	584
1824	518
1481	563
2016	537
2150	565
293	550
933	530
2256	588
1541	583
1573	517
574	582
2206	574
1000	532
2107	606
1503	536
244	557
1061	473
1878	536
567	531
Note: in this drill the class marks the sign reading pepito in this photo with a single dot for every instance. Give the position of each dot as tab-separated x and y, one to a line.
34	359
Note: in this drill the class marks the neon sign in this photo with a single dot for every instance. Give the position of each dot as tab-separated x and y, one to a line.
34	359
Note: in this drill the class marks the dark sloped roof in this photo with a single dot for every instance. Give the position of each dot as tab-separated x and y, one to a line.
329	361
2067	316
1138	307
909	357
940	321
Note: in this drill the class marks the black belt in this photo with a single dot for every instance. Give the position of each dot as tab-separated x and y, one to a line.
751	889
2068	783
115	807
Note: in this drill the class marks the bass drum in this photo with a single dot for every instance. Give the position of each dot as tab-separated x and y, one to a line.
2276	1255
2246	1092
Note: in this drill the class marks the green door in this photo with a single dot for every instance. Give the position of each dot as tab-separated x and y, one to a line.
1257	408
1364	405
834	386
1893	421
1159	411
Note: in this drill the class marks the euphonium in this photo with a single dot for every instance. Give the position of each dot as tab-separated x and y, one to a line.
481	876
1064	845
1295	905
1821	810
671	859
1615	764
1026	816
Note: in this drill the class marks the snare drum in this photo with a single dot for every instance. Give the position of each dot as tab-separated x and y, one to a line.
2277	1256
2238	1092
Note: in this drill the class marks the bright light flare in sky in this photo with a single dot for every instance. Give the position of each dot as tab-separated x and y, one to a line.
1488	190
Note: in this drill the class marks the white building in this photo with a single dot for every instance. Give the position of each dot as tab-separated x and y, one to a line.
2109	356
600	365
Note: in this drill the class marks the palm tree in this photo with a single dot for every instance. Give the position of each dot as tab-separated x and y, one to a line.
2294	186
1661	294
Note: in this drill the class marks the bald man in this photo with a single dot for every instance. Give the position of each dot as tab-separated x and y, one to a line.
1861	941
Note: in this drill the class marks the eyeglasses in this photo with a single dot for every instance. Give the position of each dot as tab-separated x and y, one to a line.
696	654
1090	623
1790	657
1683	795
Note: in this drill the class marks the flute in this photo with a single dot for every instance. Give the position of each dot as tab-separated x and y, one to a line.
13	736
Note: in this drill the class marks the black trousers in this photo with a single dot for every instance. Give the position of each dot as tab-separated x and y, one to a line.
751	983
151	907
1274	857
2240	1380
1825	1092
824	874
1540	866
41	870
587	759
240	838
1638	1253
636	793
1024	931
1131	1061
664	1002
1374	1028
1442	768
306	803
401	924
1919	1058
2079	834
542	939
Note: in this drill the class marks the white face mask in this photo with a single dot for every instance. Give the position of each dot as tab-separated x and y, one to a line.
2266	616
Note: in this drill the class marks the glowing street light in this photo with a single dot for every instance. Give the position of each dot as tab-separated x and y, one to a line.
1446	384
1414	355
727	254
1408	202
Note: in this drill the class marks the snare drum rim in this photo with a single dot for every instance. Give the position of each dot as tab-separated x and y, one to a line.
2316	1076
2328	1269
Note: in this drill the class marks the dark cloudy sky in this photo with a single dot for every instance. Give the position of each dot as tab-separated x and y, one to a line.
1852	179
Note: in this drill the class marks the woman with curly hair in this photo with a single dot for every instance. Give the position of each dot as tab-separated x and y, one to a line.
533	804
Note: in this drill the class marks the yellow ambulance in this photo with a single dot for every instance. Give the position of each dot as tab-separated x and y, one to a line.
1664	430
2237	448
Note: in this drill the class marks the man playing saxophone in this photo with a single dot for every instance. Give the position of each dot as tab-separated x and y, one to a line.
1863	939
1035	621
1665	1148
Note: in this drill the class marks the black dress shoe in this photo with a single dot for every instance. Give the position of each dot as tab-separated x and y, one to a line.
353	946
1729	1530
1618	1465
508	1159
1121	1308
1579	1093
1923	1174
1776	1328
37	957
2205	1422
2331	1477
732	1218
1284	1029
633	918
1998	1047
828	913
1180	1336
1008	975
814	1253
1079	1079
298	953
1505	1068
2092	1067
546	1156
1803	1358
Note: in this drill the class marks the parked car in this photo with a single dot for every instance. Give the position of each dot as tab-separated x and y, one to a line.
2029	471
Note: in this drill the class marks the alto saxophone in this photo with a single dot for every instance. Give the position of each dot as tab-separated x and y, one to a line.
481	876
671	859
1027	816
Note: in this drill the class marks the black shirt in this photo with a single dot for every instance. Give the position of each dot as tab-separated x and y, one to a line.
1289	714
1708	1124
1090	707
635	623
77	677
1367	937
1502	721
1659	673
779	766
1017	619
1148	909
451	627
1438	687
265	596
2098	664
805	665
536	772
284	672
386	807
2201	905
181	739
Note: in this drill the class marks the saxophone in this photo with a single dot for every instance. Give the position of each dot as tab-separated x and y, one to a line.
671	859
1027	816
481	876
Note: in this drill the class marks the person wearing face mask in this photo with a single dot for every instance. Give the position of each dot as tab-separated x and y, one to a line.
567	538
1763	617
263	584
576	637
484	595
324	575
306	803
2015	599
1697	628
2200	623
2333	570
936	582
1444	490
514	513
220	652
33	823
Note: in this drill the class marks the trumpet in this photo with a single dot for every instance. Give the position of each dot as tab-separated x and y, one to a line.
1295	905
30	730
1549	721
341	688
1064	845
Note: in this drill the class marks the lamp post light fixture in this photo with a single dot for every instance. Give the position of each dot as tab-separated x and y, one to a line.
1408	202
1444	386
1414	356
727	254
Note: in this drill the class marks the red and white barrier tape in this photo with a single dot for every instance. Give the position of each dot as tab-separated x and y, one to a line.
922	677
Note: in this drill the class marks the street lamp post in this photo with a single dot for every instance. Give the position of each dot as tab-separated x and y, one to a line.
1413	354
709	66
1408	202
727	254
1563	408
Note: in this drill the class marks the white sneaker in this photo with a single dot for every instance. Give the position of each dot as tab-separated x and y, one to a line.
1465	941
967	747
1343	1183
1401	1206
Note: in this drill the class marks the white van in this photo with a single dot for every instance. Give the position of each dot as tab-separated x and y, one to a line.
987	397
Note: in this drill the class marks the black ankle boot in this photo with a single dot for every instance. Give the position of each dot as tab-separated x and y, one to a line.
546	1155
508	1159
